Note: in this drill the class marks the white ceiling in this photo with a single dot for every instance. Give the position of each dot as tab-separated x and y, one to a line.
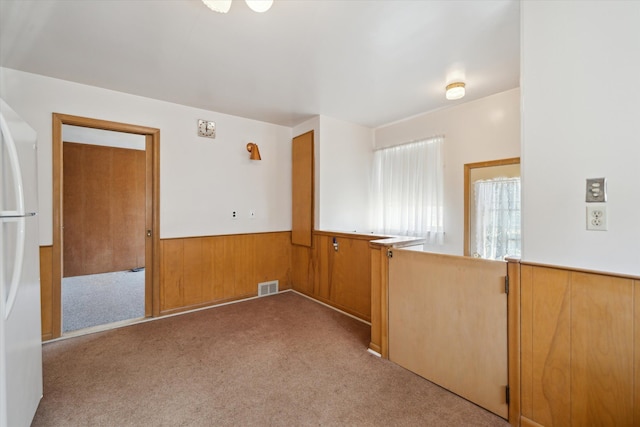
367	62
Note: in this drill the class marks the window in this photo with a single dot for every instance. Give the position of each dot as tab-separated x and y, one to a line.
497	218
407	190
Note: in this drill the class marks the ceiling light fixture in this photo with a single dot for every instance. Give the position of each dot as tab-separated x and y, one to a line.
455	91
259	5
223	6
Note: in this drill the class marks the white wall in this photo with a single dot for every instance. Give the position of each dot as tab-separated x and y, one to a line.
343	156
581	119
480	130
105	138
346	156
202	180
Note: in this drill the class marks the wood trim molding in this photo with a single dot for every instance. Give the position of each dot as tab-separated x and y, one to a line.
581	270
56	257
260	233
152	159
153	140
347	235
513	340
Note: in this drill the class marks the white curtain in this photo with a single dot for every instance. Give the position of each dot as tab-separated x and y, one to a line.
497	203
407	190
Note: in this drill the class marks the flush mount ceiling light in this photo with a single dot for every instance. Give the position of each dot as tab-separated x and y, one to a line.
455	91
223	6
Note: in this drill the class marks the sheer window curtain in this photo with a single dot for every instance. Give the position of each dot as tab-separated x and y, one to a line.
497	204
407	190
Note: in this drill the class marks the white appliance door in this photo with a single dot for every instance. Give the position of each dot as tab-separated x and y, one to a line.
20	333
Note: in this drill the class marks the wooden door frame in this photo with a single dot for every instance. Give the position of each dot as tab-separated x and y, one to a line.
152	215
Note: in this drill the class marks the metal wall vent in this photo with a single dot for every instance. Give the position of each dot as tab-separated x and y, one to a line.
267	288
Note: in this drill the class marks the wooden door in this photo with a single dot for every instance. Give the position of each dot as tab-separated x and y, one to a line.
448	323
302	189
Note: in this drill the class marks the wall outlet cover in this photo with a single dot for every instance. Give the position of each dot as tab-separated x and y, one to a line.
597	217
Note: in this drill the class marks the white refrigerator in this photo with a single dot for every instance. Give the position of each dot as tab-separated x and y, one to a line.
20	330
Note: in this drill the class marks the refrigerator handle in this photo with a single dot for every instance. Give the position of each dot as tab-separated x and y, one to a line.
15	169
17	267
17	181
26	215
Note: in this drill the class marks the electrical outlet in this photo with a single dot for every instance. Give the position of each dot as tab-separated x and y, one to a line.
234	215
597	218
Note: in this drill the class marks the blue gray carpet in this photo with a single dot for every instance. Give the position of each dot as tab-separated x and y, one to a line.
100	299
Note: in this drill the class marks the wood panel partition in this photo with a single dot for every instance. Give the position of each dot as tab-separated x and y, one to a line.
338	275
448	323
202	271
580	348
573	342
379	253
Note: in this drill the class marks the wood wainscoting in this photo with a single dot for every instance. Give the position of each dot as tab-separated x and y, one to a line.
201	271
580	343
336	275
46	292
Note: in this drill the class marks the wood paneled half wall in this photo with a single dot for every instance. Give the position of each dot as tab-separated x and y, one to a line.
46	292
580	344
201	271
336	270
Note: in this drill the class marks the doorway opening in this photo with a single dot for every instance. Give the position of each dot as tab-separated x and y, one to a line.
492	227
103	227
105	213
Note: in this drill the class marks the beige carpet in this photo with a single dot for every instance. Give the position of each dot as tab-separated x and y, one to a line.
281	360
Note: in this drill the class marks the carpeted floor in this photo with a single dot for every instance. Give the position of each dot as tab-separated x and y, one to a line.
100	299
281	360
